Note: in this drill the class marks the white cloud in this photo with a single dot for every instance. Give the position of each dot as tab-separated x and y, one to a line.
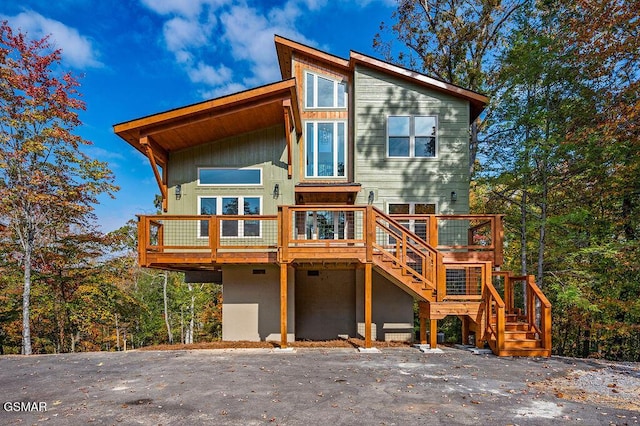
77	50
203	73
199	29
186	8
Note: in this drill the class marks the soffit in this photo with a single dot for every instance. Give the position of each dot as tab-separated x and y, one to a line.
213	120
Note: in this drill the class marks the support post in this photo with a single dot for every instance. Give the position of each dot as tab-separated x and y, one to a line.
465	329
433	333
367	304
423	331
283	305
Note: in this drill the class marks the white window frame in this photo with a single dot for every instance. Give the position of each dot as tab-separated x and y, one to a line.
336	92
335	149
412	209
412	136
240	213
229	184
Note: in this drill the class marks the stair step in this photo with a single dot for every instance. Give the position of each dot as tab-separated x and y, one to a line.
518	334
522	344
517	326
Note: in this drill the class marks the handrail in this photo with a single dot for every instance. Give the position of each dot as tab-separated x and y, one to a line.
536	306
544	328
405	239
493	300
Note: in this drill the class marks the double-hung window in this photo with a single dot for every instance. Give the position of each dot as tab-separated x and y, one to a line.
323	92
237	206
412	136
325	148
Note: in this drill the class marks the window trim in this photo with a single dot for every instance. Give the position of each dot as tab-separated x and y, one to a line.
336	92
198	183
335	154
218	199
412	137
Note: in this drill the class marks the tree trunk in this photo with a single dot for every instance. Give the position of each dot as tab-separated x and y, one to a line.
117	334
26	294
189	337
166	308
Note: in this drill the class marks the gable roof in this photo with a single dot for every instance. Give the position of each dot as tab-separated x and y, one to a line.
286	49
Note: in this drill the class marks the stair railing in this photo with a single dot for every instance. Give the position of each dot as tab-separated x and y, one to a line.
414	255
494	316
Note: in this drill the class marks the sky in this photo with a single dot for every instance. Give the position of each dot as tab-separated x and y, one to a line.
139	57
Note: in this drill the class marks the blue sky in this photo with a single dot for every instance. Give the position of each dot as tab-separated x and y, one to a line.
139	57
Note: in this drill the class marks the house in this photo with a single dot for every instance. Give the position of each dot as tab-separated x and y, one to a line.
329	201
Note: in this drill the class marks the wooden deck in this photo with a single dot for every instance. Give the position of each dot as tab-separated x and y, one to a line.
445	262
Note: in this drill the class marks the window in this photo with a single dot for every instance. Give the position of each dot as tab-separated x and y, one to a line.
242	206
418	227
411	136
322	92
208	176
326	148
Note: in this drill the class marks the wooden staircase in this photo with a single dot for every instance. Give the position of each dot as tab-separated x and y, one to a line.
419	269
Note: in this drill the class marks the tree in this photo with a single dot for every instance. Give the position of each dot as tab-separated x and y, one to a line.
46	181
453	40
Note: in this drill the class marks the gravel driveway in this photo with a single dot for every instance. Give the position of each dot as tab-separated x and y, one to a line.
314	386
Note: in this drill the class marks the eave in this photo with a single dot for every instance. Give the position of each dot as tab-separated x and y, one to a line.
477	100
286	49
213	120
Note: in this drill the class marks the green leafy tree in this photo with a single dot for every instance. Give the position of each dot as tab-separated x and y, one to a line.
45	179
453	40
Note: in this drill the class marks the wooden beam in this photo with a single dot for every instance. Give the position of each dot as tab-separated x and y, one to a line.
145	142
283	305
286	106
367	305
160	154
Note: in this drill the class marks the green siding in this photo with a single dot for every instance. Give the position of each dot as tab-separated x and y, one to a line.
427	180
265	149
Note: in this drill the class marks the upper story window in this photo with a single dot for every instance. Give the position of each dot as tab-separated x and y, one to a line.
412	136
325	148
323	92
209	176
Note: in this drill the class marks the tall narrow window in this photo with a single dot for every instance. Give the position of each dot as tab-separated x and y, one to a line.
411	136
325	148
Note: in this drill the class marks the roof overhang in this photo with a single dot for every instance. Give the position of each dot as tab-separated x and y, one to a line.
213	120
286	48
327	193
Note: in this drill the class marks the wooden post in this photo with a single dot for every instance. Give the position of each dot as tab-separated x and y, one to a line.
423	331
369	231
465	329
143	240
433	333
433	231
367	305
283	305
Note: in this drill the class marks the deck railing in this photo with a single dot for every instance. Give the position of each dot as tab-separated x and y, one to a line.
205	235
459	236
466	280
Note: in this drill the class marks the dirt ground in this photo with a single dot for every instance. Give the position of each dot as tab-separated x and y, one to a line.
311	385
